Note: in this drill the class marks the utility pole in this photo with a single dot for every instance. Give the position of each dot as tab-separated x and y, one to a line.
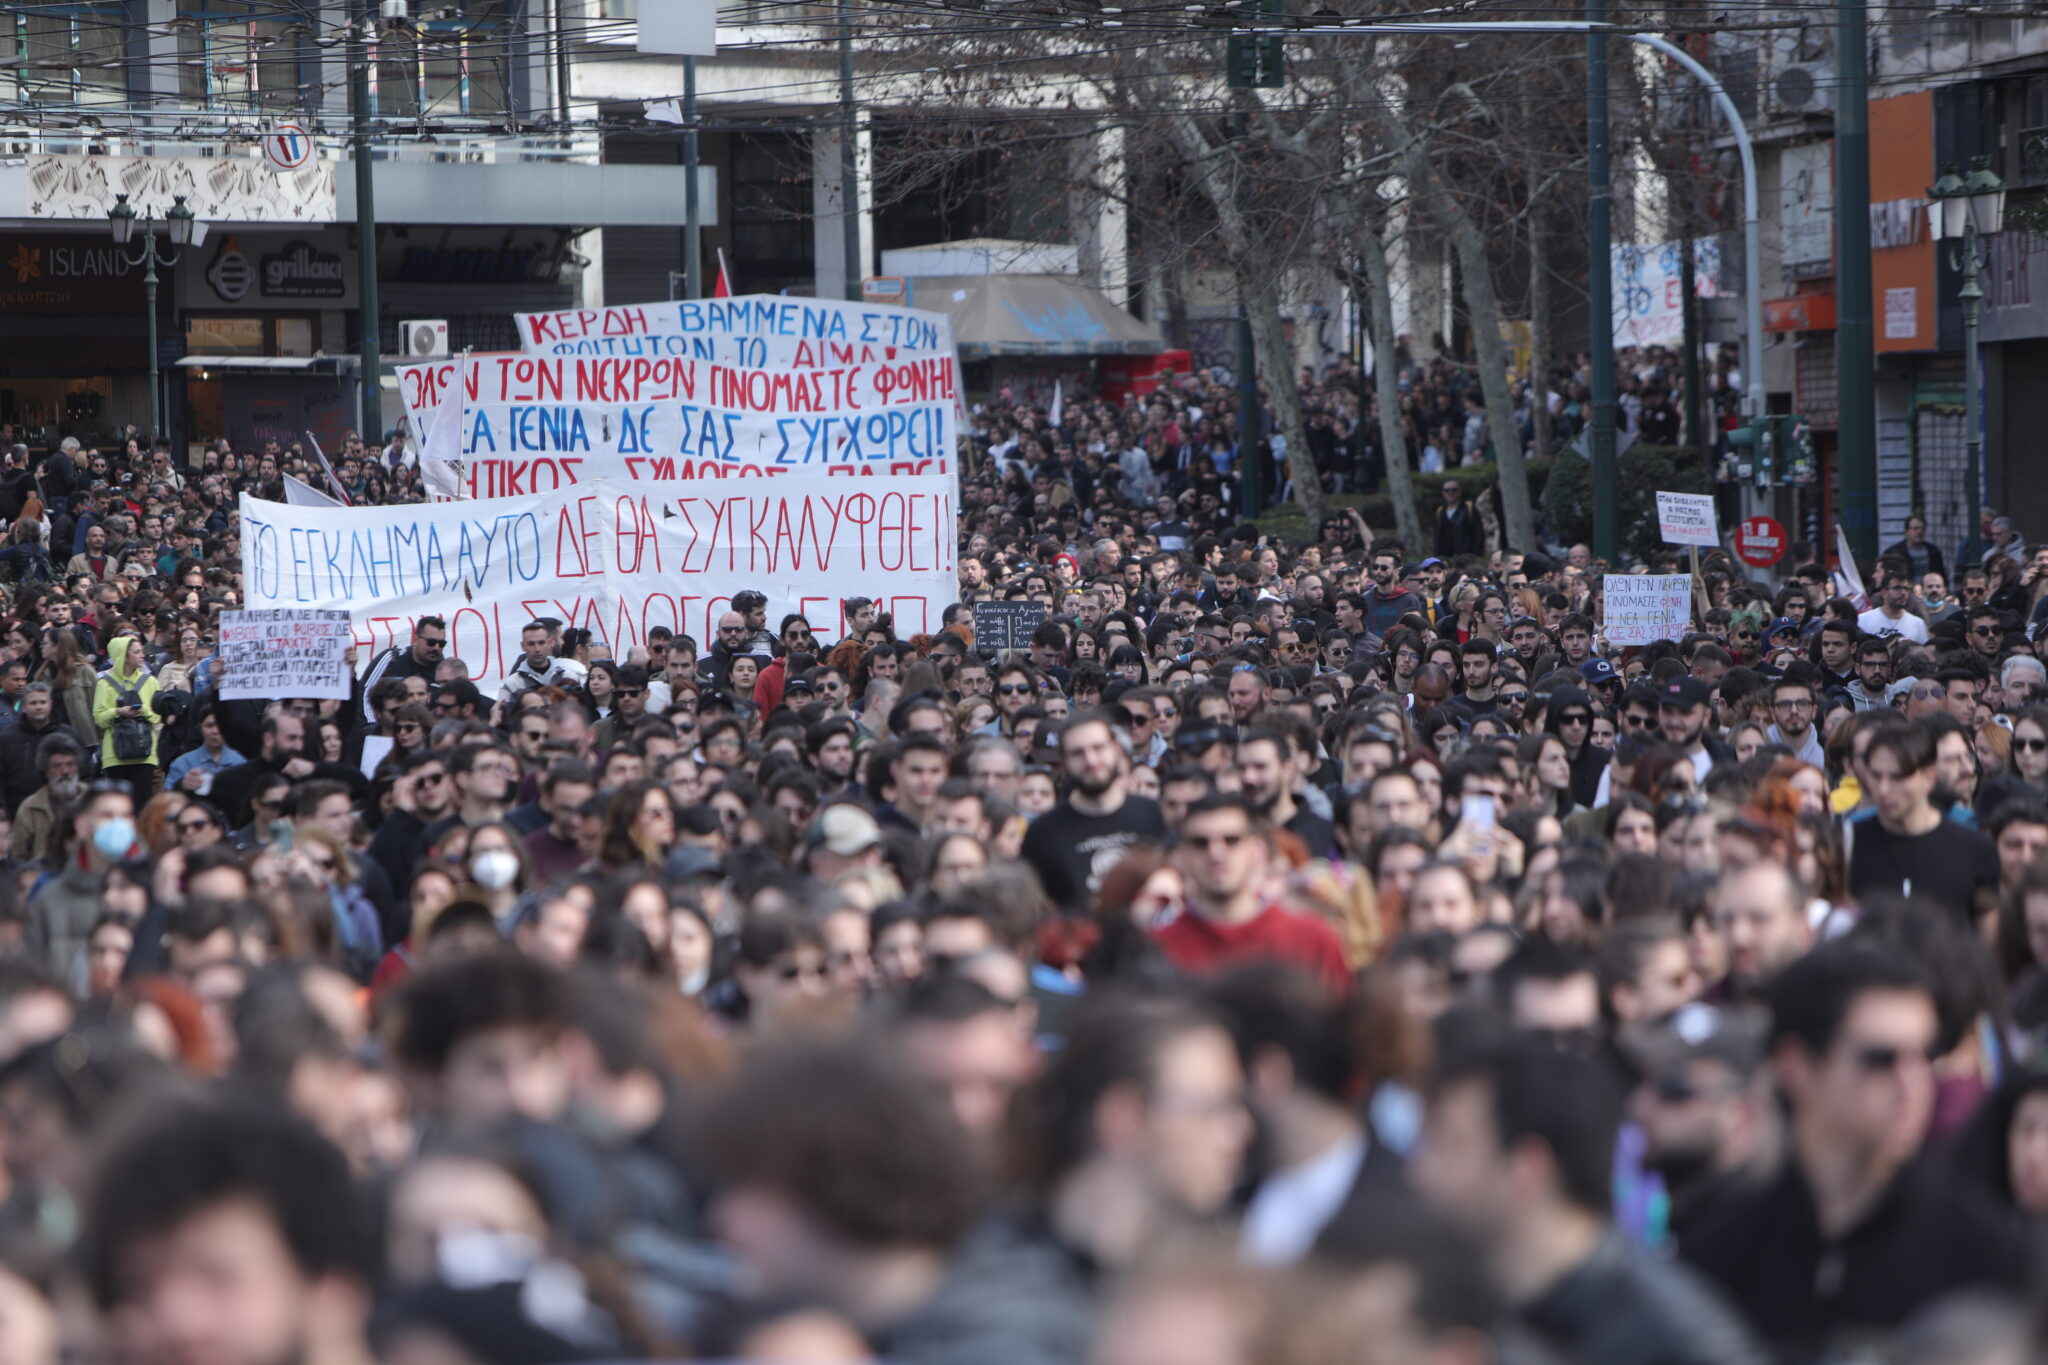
363	15
1855	347
1600	279
693	226
849	158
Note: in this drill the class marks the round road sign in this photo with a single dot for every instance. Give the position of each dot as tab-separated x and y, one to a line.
287	146
1760	542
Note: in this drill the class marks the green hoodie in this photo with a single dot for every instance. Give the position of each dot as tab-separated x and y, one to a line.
107	700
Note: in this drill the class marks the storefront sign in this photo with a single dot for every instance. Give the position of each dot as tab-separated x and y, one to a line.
1800	313
48	272
240	269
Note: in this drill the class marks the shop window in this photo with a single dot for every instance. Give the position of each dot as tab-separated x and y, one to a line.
66	52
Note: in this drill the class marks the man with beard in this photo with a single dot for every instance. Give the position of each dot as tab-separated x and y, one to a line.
1709	1121
1266	773
1476	660
1386	601
1075	844
1684	708
35	824
831	747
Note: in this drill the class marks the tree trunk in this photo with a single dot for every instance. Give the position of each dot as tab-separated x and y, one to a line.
1387	390
1539	336
1261	292
1492	355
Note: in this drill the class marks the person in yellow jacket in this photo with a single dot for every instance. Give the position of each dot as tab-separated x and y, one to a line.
128	722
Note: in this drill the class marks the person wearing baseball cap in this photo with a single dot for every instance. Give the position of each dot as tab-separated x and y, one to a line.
842	836
1710	1123
1684	715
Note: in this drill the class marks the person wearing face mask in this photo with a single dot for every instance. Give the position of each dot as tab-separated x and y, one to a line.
497	865
64	909
58	760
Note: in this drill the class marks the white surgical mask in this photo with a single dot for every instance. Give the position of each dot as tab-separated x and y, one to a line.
494	868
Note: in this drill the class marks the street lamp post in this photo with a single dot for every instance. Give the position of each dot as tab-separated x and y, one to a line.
1959	210
123	221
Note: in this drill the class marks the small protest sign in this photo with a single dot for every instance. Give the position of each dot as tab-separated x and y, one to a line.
1645	608
1000	626
1687	519
284	652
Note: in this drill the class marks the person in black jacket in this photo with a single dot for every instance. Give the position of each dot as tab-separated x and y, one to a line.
1570	718
1517	1152
421	659
1458	531
1921	555
19	776
1861	1229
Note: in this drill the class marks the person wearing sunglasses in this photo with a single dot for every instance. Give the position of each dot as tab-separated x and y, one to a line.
779	974
421	658
1852	1044
1224	853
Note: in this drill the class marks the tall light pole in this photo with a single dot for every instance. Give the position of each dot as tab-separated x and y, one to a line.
1599	286
362	20
849	163
123	220
1960	210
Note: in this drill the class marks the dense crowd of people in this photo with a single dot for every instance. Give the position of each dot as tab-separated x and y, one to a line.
1300	952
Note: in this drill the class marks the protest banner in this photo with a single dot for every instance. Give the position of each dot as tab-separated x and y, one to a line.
285	652
1687	519
529	424
1644	608
616	559
757	331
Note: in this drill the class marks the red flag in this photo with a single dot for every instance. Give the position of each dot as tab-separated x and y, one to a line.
723	289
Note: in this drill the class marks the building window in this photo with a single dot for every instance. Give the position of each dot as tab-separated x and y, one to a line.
453	65
237	54
66	53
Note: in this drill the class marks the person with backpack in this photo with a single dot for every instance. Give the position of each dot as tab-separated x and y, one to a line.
123	706
25	559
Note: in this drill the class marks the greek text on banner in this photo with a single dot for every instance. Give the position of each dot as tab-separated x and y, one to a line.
763	331
613	558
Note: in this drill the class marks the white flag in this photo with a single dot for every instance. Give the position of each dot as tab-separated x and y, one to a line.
1848	582
1058	408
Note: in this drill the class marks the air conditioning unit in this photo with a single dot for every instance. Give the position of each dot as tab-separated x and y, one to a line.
424	339
1802	88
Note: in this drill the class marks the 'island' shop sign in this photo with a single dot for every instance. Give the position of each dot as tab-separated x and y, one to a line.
53	272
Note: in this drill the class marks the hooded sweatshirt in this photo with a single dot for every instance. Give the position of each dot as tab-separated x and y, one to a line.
108	698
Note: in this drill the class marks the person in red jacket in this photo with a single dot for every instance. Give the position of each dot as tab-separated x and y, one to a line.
1223	856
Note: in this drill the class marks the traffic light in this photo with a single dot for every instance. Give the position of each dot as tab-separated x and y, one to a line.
1795	448
1258	61
1749	449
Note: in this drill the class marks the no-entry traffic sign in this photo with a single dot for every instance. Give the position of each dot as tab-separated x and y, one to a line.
1760	542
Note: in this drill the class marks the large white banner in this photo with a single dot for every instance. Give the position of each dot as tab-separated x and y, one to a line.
526	424
755	331
615	559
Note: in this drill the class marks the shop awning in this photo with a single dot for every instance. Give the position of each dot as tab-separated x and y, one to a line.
324	364
999	315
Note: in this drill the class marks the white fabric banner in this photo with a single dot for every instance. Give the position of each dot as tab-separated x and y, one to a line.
758	331
616	559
